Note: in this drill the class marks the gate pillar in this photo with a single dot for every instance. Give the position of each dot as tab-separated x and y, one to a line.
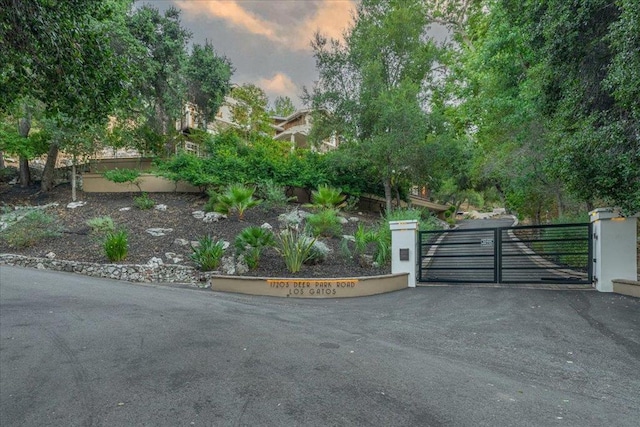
404	247
614	247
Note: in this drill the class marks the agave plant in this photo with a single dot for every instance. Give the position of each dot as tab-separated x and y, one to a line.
236	198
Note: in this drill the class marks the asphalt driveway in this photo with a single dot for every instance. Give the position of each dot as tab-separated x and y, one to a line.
78	351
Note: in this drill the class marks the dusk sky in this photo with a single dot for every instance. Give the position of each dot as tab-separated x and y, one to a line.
268	41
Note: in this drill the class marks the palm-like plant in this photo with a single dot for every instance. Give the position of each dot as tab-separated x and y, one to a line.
236	198
326	197
250	243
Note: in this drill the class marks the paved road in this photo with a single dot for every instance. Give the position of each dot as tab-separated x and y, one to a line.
77	351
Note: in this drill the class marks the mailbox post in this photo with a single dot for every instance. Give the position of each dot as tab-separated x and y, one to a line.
404	248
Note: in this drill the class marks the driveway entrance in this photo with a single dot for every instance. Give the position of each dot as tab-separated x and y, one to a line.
475	253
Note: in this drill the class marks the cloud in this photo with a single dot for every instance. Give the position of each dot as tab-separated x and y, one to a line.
279	85
330	17
231	12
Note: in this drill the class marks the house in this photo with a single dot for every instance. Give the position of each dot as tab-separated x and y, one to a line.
296	127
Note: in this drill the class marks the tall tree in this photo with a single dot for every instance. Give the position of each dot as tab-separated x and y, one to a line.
60	53
250	109
208	80
283	106
160	53
554	81
371	89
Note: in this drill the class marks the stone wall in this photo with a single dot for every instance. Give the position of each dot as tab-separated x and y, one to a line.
164	273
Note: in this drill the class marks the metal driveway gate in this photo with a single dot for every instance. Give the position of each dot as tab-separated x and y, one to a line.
530	254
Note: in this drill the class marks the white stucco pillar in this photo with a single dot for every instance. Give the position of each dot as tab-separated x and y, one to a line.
404	247
614	247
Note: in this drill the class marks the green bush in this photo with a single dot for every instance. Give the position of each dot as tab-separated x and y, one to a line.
144	202
362	237
235	198
326	197
121	176
250	243
295	248
325	223
273	195
33	227
116	245
207	255
101	224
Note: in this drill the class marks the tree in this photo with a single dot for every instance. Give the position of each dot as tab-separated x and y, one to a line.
283	107
371	89
556	82
159	50
250	109
208	80
60	53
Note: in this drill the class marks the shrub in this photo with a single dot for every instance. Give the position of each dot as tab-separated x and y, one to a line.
291	219
326	223
235	198
250	243
33	227
144	202
273	195
295	248
326	197
101	224
116	245
207	254
121	176
362	237
318	253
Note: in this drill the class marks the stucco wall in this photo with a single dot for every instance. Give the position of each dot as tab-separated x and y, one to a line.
96	183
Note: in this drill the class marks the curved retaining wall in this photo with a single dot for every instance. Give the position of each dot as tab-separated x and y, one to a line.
310	288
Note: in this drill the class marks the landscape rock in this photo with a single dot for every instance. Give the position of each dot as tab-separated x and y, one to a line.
155	261
228	266
354	219
213	217
266	226
198	214
156	232
125	209
349	237
343	220
173	257
50	255
74	205
181	242
160	207
195	244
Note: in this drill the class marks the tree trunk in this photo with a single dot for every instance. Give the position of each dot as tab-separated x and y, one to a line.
1	160
25	173
73	180
24	126
387	193
49	168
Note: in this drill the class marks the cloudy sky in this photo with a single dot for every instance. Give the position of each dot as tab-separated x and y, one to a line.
268	41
